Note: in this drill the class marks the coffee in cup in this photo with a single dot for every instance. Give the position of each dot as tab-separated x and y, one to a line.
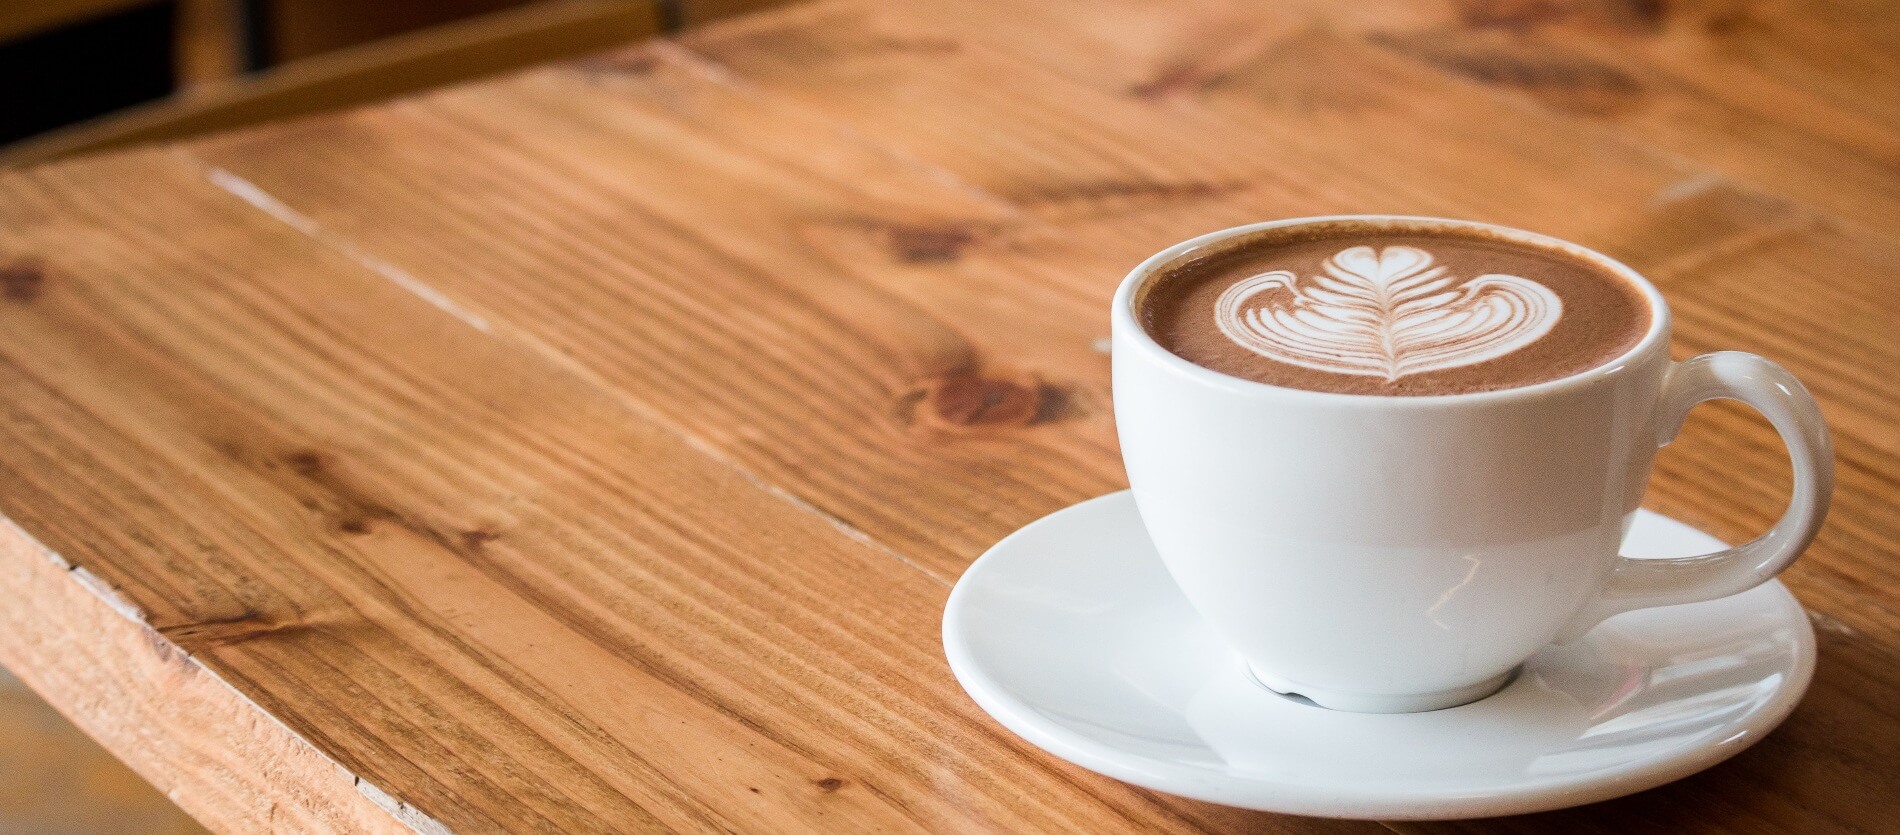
1394	310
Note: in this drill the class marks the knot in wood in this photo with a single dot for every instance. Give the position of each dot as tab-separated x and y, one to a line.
931	243
20	281
305	462
972	400
1566	82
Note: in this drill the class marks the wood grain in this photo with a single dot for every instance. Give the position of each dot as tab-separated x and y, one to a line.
1685	227
1775	94
592	448
204	742
460	569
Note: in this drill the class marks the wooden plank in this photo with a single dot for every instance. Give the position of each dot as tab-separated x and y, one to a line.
1316	89
872	383
1745	97
1030	202
946	257
485	268
1776	95
160	711
476	581
1309	89
1466	153
1284	130
847	261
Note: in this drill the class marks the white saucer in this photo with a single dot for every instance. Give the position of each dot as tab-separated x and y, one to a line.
1071	634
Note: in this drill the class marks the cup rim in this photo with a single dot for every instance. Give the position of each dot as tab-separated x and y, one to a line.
1129	329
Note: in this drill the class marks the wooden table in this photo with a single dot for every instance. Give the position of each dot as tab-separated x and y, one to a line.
594	448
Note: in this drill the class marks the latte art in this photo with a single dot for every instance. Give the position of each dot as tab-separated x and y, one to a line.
1396	308
1385	313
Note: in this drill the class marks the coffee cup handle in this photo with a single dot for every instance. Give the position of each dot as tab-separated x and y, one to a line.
1770	389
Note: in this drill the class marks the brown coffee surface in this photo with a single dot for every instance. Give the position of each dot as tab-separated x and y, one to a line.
1363	309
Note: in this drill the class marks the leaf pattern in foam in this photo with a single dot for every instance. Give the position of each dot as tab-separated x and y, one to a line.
1386	313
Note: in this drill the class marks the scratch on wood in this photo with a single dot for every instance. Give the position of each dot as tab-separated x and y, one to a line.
704	66
105	592
249	192
409	815
1686	188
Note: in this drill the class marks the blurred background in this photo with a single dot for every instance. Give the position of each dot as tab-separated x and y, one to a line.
54	780
82	75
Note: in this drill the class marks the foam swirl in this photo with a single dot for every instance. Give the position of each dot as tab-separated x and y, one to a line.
1389	313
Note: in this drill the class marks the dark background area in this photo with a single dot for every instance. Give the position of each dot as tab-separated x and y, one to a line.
78	70
85	69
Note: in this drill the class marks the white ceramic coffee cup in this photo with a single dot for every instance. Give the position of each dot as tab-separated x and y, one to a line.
1394	554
